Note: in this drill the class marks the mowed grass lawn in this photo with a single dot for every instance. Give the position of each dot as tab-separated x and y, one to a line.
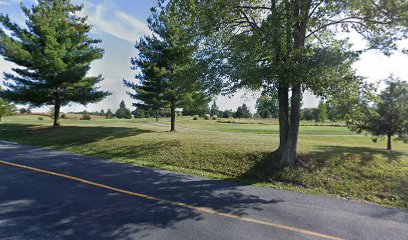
337	162
260	126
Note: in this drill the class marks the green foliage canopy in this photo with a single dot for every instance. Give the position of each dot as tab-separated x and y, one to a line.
6	108
322	113
267	107
109	114
243	112
123	111
389	116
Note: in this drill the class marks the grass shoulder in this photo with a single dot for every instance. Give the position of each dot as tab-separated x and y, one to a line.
343	166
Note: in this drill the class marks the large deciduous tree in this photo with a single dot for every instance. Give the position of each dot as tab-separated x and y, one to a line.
166	63
388	117
287	46
267	107
53	56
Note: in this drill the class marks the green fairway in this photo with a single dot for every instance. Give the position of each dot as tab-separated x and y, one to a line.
258	126
352	167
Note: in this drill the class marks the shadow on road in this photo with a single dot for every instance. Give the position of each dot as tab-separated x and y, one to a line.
41	205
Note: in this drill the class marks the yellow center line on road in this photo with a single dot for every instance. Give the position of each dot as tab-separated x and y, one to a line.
179	204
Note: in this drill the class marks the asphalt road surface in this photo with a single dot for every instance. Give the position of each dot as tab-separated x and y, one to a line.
46	194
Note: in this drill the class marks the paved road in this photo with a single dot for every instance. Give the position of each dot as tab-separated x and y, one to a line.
35	205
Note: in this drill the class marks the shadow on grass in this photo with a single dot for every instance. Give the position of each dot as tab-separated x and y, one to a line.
135	151
64	135
330	166
363	154
323	157
76	136
69	210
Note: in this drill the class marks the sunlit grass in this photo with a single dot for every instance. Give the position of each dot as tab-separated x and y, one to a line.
351	167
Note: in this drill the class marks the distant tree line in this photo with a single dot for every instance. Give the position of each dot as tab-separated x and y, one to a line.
241	112
318	114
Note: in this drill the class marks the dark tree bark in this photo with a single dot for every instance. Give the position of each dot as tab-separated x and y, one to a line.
294	125
173	116
288	126
389	142
157	116
57	108
283	94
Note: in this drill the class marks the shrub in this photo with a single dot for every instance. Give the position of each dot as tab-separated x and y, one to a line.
207	117
40	118
195	117
214	117
63	115
86	116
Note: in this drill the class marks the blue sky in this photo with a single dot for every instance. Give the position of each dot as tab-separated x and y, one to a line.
120	23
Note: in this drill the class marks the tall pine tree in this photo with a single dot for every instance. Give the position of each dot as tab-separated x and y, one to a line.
53	54
167	67
388	117
123	111
149	92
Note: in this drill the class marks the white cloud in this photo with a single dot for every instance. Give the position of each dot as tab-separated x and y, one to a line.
118	24
240	97
375	65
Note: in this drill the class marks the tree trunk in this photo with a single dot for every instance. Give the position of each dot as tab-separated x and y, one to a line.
389	142
294	126
173	116
283	94
56	114
57	108
288	126
157	116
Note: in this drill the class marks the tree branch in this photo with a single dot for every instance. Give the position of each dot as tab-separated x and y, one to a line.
344	20
315	8
255	7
